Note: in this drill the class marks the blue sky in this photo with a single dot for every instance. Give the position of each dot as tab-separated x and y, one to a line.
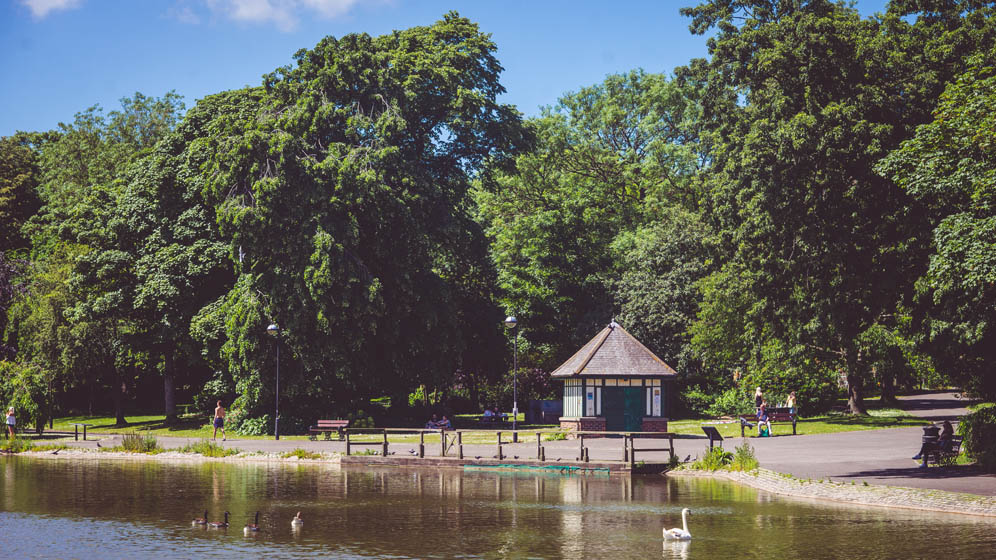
58	57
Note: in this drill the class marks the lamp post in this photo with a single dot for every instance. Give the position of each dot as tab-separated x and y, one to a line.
511	323
274	331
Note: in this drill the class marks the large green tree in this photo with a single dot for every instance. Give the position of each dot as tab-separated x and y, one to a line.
347	194
950	165
825	247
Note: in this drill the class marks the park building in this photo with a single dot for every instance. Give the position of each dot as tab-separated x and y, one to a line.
614	383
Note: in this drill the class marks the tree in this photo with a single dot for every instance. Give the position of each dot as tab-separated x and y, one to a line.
19	177
608	159
347	192
829	247
949	166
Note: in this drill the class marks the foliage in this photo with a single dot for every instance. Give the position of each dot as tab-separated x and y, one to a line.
19	178
250	426
16	444
139	443
359	419
24	388
714	459
949	166
555	436
301	454
208	448
732	402
744	458
979	431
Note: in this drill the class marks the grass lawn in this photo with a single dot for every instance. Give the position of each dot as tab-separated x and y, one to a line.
199	426
827	424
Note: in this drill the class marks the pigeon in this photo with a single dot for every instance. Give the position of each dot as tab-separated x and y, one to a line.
56	452
477	457
688	457
98	444
412	451
515	456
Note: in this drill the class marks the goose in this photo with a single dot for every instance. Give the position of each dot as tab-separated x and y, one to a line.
200	520
680	534
252	527
297	522
220	524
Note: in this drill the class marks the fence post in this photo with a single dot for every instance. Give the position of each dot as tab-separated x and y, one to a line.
632	453
442	443
626	447
421	445
460	444
384	453
539	446
347	443
499	446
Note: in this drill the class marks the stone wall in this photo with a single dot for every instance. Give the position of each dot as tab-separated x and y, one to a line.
654	424
583	424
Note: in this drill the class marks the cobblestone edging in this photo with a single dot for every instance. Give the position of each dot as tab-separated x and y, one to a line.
871	495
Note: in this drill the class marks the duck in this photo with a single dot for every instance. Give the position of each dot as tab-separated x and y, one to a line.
252	527
200	520
297	522
220	524
680	534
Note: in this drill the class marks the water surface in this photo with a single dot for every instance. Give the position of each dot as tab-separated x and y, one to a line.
89	508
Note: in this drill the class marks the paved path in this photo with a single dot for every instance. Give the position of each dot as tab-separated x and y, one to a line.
880	457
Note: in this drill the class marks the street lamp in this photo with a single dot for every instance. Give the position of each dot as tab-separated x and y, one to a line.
274	331
511	323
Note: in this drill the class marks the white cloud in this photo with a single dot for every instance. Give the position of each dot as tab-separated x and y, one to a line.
41	8
285	14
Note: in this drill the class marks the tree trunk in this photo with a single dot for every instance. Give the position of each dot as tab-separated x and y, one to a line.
119	394
888	382
169	396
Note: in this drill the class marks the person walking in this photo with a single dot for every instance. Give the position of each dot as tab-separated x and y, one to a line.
11	422
219	421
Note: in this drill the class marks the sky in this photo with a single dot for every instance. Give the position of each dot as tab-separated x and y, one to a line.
59	57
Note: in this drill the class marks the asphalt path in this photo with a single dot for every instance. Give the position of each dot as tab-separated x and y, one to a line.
880	457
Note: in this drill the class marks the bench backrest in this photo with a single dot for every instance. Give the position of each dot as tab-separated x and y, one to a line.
333	423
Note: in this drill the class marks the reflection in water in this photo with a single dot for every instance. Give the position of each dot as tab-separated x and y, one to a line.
114	508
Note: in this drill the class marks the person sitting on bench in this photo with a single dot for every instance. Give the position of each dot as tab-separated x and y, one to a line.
444	424
943	444
433	423
763	419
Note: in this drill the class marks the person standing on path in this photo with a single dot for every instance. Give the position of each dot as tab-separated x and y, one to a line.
790	402
219	421
11	422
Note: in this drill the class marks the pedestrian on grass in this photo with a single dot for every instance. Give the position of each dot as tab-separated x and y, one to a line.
11	422
219	421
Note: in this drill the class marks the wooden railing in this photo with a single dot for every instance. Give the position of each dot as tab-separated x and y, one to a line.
449	439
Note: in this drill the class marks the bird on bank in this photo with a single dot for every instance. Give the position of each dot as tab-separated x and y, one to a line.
252	527
200	520
680	534
297	522
220	524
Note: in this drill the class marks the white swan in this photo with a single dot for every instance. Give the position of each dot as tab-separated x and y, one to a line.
680	534
297	522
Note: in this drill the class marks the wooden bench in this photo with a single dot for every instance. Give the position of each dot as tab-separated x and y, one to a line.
327	427
949	457
773	417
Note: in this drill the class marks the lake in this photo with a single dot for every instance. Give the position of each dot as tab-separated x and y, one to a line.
89	508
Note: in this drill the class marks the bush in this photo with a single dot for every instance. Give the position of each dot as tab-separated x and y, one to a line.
245	426
301	454
732	402
16	444
979	432
744	458
138	443
208	449
715	459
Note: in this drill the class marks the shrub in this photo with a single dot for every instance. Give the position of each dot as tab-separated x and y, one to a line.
744	458
359	419
732	402
301	454
979	432
138	443
208	449
555	436
715	459
245	426
16	444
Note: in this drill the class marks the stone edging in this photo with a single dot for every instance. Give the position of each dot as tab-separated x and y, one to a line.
871	495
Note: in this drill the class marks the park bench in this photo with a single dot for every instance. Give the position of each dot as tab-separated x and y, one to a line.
327	427
949	457
774	416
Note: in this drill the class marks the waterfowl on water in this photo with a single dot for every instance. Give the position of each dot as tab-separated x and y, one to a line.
200	520
680	534
220	524
297	521
252	527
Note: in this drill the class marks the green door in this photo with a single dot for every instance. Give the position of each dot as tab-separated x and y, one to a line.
622	408
634	408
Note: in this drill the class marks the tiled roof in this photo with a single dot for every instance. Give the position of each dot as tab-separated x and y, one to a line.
614	353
